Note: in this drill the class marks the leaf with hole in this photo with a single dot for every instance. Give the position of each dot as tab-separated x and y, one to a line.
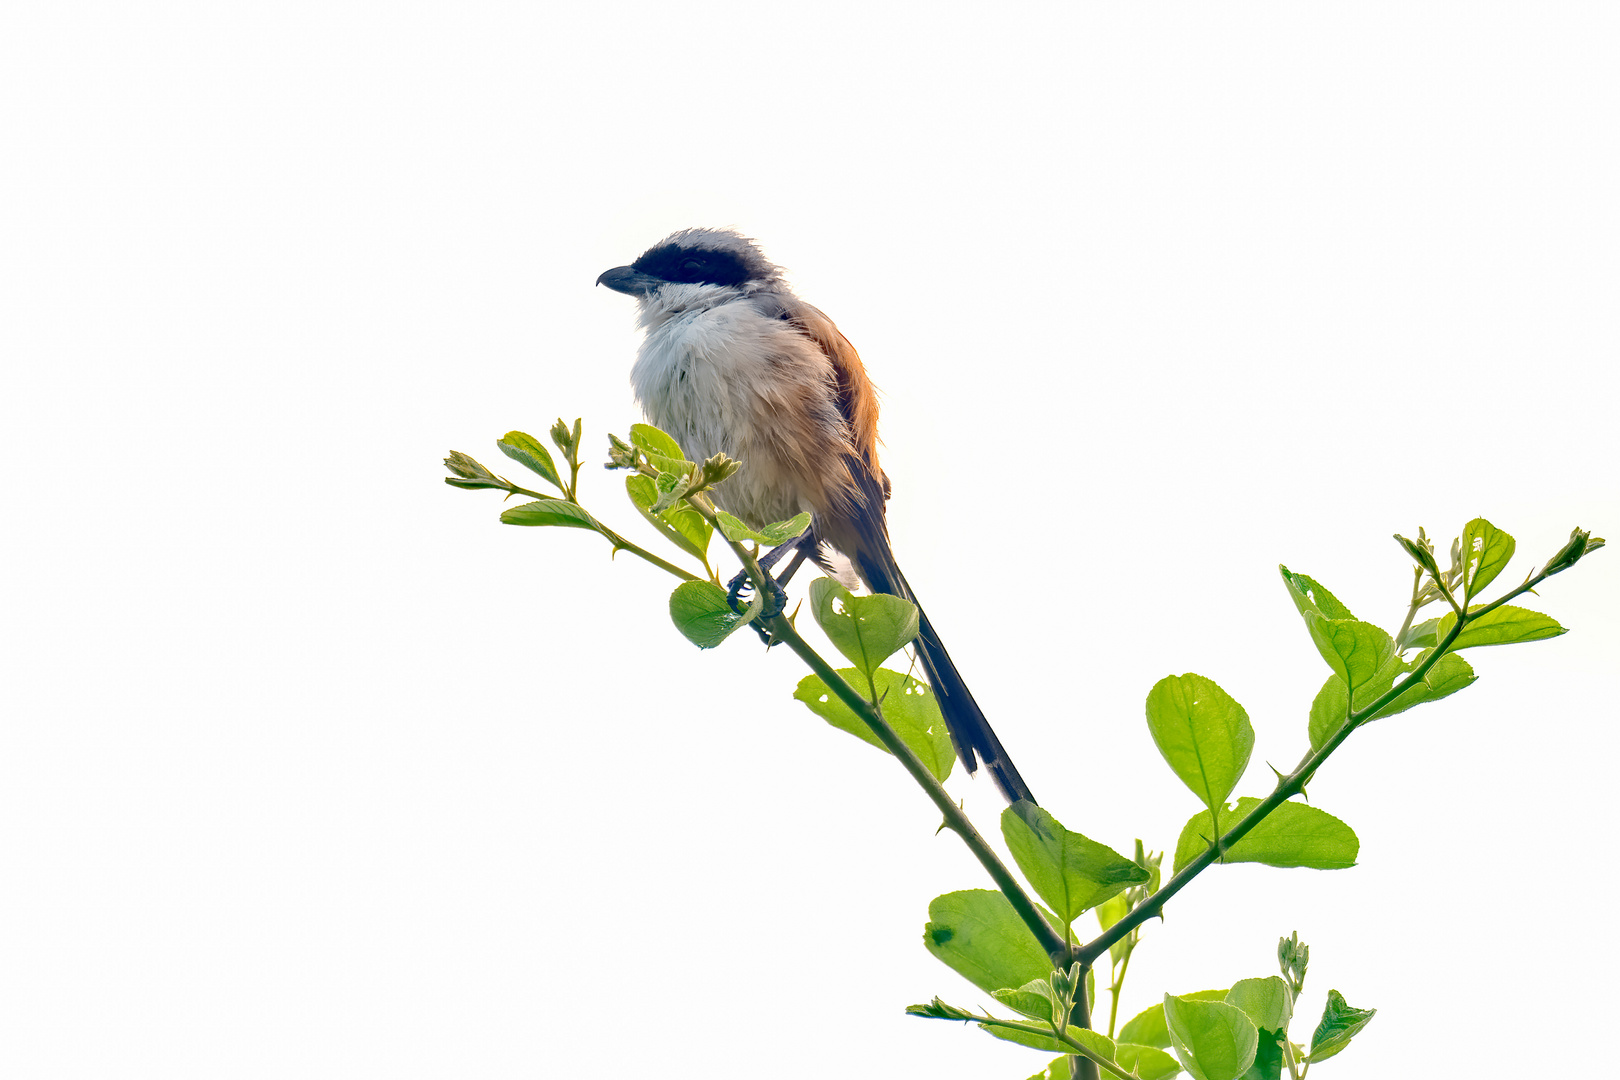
907	704
1310	596
866	629
1485	551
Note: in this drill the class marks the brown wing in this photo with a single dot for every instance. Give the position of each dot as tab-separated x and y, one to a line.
857	398
862	534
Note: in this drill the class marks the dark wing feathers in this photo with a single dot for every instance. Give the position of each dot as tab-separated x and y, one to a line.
861	532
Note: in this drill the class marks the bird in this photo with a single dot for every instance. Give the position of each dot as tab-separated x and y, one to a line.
733	362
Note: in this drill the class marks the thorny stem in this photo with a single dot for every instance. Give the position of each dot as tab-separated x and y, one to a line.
621	544
1062	953
1292	784
783	630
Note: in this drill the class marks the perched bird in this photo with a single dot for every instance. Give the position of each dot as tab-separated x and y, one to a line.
732	361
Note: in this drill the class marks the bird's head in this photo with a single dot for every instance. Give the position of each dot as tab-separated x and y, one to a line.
692	266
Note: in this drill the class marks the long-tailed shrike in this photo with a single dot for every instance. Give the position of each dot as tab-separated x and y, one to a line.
733	361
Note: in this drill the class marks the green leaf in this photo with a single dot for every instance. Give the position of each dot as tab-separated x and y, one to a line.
1033	1040
1356	651
1340	1023
1309	596
1148	1028
1423	635
1485	550
1506	625
1268	1057
670	487
680	524
1293	834
908	706
1449	674
1034	999
1056	1069
1214	1040
777	532
1097	1043
549	512
701	612
1146	1062
1112	910
1204	734
527	451
663	452
1068	871
1265	1001
978	935
866	629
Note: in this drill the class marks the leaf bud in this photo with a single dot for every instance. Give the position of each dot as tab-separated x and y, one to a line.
718	468
563	437
1293	956
1421	551
621	455
467	468
469	475
1581	542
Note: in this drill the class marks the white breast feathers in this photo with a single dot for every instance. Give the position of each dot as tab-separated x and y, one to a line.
724	376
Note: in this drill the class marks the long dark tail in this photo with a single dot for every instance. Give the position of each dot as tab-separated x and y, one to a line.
971	733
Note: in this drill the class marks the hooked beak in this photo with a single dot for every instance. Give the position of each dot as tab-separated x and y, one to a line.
630	281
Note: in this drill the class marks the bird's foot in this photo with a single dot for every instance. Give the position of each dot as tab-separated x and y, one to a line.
736	596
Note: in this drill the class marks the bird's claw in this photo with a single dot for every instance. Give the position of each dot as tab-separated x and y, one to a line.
775	604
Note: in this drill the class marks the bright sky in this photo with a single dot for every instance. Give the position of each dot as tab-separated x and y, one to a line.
312	769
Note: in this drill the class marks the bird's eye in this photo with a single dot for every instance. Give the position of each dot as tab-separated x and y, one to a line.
692	267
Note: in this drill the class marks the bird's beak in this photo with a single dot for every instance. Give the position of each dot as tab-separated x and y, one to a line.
630	281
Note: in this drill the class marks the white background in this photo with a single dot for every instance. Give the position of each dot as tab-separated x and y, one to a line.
309	768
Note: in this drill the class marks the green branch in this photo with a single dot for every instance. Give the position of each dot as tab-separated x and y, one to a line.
1294	782
782	630
1079	1049
621	544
